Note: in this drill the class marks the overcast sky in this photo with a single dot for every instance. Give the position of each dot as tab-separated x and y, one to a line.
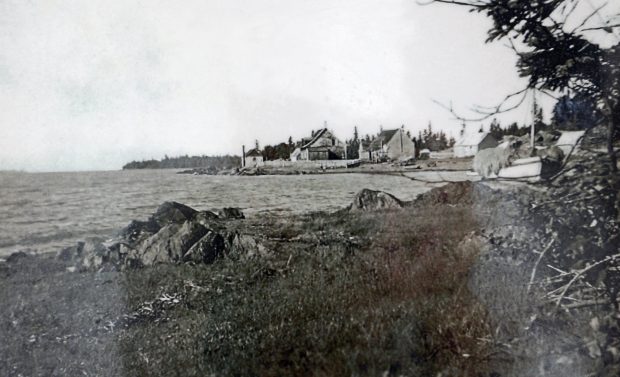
90	85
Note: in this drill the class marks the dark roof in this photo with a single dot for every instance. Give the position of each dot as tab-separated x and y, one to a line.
315	138
253	152
383	138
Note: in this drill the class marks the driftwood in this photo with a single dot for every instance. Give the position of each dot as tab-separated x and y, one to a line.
579	273
540	257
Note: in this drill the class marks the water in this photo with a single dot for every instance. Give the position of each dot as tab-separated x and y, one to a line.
44	212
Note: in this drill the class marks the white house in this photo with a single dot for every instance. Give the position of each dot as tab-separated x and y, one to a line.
470	143
253	158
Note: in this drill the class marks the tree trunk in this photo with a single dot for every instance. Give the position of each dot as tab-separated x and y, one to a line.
612	119
610	145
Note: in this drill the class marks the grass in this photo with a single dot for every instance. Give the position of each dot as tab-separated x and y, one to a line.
383	293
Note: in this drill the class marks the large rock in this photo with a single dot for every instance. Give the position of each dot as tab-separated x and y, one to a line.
368	200
93	254
206	218
243	246
71	253
170	244
17	256
137	231
464	193
231	213
172	213
175	233
90	254
207	249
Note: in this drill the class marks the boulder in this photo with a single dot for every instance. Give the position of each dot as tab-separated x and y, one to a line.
93	254
17	257
90	254
154	249
71	253
368	200
231	213
137	231
170	244
464	193
207	249
172	213
244	246
205	218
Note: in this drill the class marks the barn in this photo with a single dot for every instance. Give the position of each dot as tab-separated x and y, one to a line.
389	144
470	143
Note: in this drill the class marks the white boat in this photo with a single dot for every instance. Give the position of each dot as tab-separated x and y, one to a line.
529	168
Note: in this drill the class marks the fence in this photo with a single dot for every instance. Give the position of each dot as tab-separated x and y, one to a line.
317	164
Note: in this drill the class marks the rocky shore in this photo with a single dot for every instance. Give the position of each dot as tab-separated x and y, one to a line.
469	279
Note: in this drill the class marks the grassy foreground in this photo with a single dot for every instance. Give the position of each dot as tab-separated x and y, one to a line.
340	294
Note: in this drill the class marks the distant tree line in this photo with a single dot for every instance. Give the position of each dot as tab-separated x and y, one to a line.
281	151
184	162
434	141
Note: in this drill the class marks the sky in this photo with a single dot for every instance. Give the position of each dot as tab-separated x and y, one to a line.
91	85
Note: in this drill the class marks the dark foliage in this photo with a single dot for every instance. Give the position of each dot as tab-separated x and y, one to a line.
434	141
182	162
557	57
576	113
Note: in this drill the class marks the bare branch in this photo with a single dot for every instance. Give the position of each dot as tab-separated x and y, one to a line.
585	20
488	112
581	272
607	28
540	257
571	11
475	4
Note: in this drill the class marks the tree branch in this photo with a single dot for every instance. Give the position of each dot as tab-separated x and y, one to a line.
606	28
477	4
585	20
488	112
581	272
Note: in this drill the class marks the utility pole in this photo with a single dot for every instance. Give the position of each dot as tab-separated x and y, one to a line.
532	129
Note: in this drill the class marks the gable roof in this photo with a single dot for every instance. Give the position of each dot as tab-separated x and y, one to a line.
253	153
383	138
315	138
471	138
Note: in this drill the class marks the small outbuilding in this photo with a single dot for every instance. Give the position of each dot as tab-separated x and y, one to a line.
253	158
470	143
425	154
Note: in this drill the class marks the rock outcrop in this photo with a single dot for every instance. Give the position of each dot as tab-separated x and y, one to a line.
369	200
231	213
175	233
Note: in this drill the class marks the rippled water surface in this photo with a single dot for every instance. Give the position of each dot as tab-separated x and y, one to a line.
45	211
